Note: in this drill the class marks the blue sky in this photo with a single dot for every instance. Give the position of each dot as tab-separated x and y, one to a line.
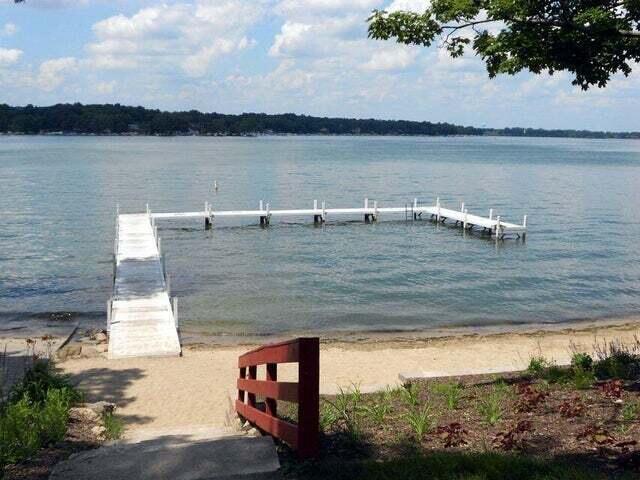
302	56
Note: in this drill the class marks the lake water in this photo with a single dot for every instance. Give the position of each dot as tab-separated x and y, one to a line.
581	259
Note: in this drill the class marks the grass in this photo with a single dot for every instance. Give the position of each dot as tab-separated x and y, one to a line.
114	426
35	414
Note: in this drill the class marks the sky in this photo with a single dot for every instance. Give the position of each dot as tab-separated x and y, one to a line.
303	56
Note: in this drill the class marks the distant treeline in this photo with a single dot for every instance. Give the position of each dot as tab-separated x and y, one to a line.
122	120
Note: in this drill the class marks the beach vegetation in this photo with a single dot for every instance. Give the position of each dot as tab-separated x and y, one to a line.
617	360
537	366
35	413
581	360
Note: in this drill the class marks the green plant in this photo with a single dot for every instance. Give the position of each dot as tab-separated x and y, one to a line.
617	360
581	361
54	415
490	407
411	394
421	421
537	366
628	415
38	380
582	379
35	413
344	411
450	392
19	431
114	426
378	411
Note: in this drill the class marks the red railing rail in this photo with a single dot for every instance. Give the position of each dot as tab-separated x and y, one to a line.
302	436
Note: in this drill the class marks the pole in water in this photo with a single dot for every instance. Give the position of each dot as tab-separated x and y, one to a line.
215	185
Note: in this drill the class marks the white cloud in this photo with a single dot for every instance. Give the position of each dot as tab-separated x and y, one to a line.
393	58
8	29
51	73
174	36
418	6
315	7
9	56
105	88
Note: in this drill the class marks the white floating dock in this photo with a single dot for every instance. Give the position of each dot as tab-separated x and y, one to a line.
494	225
140	318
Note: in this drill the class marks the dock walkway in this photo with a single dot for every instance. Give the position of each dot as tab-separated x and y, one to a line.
494	225
141	319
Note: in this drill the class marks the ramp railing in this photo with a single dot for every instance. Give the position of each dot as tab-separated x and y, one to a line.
302	436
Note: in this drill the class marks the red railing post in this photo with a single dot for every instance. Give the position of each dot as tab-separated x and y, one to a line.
302	437
271	404
253	370
309	397
243	374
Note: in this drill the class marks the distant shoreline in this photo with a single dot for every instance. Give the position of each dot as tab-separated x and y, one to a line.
257	135
108	119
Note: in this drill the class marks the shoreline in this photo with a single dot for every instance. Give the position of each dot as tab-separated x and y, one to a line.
409	337
413	336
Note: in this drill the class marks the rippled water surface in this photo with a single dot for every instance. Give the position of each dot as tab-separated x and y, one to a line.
581	259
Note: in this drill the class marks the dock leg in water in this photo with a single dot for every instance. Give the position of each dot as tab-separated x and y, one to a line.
207	223
264	220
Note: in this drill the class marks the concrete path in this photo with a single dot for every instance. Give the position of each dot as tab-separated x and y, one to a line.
214	454
142	321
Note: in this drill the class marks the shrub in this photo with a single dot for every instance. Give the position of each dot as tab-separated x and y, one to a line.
35	414
582	361
616	360
537	366
582	379
19	431
55	415
37	381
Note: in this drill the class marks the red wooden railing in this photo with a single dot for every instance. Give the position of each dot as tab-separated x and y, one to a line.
303	437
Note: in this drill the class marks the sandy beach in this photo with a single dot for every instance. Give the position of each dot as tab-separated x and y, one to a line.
196	389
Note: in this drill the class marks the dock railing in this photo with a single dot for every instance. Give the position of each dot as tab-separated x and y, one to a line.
302	436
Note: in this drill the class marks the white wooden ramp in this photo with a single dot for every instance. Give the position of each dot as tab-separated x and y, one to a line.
141	321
